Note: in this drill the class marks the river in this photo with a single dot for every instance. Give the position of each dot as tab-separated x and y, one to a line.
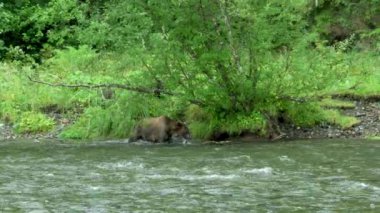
292	176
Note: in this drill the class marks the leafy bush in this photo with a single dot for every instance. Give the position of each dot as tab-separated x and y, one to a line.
204	124
32	122
29	26
305	115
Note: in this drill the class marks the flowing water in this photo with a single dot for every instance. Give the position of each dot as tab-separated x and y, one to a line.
293	176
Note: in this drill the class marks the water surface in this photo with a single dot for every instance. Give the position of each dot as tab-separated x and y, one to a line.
293	176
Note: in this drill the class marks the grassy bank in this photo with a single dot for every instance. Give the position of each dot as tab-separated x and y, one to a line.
93	69
36	108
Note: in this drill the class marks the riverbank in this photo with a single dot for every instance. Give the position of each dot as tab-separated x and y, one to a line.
366	111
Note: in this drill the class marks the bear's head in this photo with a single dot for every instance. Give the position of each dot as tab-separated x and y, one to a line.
179	131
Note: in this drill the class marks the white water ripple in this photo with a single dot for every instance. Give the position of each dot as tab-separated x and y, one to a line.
121	165
260	171
194	177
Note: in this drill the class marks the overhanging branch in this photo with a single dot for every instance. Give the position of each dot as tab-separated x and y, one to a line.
111	85
152	91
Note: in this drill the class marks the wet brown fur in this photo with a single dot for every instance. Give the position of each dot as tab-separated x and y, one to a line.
160	129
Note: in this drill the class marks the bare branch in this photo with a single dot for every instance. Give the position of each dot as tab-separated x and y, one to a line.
111	85
151	91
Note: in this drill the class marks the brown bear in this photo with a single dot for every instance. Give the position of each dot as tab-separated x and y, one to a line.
160	129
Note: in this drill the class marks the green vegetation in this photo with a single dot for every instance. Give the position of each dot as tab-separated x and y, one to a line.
373	138
34	122
223	66
333	103
345	122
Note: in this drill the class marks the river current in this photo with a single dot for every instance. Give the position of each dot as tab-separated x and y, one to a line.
291	176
